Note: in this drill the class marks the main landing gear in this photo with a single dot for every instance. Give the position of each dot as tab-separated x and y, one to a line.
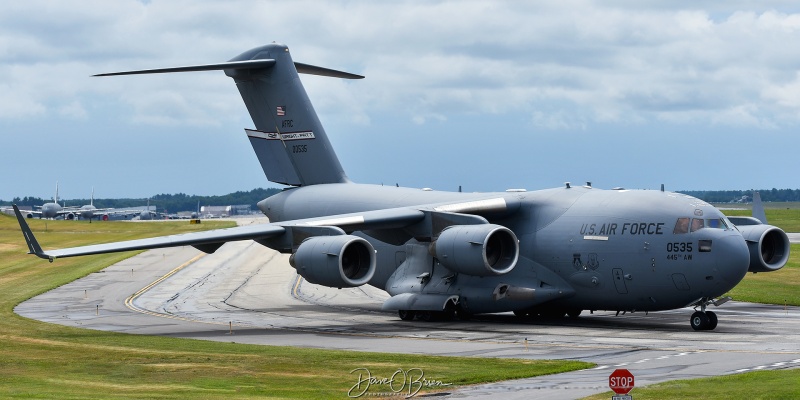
450	312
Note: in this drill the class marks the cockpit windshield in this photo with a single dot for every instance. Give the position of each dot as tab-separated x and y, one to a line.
686	225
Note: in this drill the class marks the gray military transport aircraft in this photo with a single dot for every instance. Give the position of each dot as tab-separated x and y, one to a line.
553	252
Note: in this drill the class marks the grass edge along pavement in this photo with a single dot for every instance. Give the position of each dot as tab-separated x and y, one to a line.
781	287
781	384
42	360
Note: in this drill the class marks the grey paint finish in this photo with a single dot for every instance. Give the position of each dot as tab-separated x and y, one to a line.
577	248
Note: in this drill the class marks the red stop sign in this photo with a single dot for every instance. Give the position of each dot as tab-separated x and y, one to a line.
621	381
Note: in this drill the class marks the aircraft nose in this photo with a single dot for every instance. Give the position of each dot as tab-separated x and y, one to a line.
734	258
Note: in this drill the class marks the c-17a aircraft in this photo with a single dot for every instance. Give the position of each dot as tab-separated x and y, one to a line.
551	252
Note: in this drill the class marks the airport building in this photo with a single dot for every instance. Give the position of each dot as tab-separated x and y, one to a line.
225	211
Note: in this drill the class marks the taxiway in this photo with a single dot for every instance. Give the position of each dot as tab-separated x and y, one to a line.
247	293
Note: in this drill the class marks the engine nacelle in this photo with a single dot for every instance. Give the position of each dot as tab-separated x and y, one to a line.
769	247
69	216
478	250
335	261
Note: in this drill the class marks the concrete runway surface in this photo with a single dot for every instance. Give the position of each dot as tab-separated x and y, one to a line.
183	293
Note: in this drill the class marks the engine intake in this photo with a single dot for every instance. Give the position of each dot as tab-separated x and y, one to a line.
335	261
769	247
479	250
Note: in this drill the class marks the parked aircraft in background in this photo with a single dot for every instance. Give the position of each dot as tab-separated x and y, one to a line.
553	252
89	211
147	214
52	210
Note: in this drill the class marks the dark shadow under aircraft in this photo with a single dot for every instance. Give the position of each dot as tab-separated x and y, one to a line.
551	252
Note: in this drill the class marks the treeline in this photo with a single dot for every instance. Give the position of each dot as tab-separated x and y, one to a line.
733	196
164	202
184	202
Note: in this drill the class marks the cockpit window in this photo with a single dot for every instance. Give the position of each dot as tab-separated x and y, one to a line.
716	223
697	224
682	226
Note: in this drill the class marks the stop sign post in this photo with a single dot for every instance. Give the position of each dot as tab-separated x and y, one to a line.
621	381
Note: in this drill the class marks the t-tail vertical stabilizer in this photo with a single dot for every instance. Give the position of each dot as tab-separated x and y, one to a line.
758	208
289	140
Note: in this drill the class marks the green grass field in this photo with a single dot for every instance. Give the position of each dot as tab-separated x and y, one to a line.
783	215
778	287
782	286
747	386
41	360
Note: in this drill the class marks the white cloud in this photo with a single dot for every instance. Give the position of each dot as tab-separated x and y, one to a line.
73	110
602	62
574	65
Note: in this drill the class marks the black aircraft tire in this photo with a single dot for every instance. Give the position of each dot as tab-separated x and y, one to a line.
406	315
553	313
699	321
462	315
427	316
712	320
574	313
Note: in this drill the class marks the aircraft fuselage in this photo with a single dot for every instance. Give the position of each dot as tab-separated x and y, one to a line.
51	210
589	248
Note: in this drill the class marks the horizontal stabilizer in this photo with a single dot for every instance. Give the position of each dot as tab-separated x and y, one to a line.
314	70
246	64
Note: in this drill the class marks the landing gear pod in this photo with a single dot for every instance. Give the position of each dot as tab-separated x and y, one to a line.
478	250
335	261
769	247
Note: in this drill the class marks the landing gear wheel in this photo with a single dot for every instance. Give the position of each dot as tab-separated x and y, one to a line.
462	315
574	313
712	320
700	321
407	315
522	313
449	312
428	316
553	314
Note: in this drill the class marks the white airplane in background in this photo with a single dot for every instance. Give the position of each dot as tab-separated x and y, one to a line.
89	211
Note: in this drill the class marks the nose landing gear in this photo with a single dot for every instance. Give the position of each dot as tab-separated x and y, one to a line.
706	320
703	320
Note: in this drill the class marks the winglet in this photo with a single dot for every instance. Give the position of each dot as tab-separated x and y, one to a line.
33	245
758	208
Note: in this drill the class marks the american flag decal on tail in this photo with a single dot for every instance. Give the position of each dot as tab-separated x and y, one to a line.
281	111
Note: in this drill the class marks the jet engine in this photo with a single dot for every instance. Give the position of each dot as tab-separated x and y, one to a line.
769	247
479	250
335	261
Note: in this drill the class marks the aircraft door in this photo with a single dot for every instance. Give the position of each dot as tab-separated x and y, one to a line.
619	281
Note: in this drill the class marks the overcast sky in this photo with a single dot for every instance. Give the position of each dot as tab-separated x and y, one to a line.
486	95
